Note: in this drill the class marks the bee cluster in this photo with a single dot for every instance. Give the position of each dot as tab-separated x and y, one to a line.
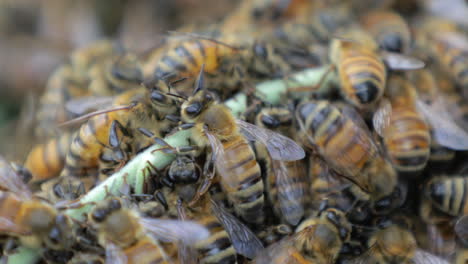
365	164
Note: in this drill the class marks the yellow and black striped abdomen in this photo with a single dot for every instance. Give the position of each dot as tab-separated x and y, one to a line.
46	161
455	62
449	194
187	57
218	247
144	251
407	140
11	209
86	146
362	76
243	170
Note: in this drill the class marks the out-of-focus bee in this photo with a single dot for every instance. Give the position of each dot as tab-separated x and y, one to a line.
63	84
274	233
317	240
86	258
129	238
342	139
448	45
33	221
111	137
389	29
62	190
395	244
449	194
115	75
446	129
240	176
276	10
406	136
46	161
461	257
286	182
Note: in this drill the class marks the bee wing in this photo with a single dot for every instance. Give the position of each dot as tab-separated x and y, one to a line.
114	254
243	239
187	232
453	39
12	182
186	253
7	226
288	199
446	131
461	229
84	105
396	61
424	257
279	146
381	118
220	159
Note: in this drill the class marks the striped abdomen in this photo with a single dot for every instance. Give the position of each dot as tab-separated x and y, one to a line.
455	61
87	144
46	161
217	248
11	210
288	197
344	145
362	76
407	140
186	58
449	194
243	169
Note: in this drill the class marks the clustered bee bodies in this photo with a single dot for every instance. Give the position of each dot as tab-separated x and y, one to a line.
367	168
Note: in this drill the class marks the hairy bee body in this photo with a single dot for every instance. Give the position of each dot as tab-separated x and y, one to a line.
449	194
361	72
46	161
389	30
239	166
346	146
407	137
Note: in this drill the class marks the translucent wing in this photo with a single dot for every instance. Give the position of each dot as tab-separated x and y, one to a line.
114	254
424	257
243	239
7	226
446	132
381	118
396	61
219	157
187	254
283	251
461	229
12	182
187	232
84	105
453	39
279	146
289	196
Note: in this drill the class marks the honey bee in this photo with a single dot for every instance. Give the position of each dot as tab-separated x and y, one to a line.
342	139
129	238
274	10
64	83
448	194
109	139
46	161
115	75
33	221
286	181
316	240
240	176
362	69
406	136
86	258
389	29
395	244
448	45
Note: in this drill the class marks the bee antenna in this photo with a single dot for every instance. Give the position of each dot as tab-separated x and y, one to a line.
178	81
178	96
200	80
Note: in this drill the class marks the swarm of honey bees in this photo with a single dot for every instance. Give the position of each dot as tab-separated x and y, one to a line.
366	166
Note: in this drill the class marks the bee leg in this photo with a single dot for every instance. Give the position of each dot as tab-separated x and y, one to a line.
207	180
185	126
161	199
172	118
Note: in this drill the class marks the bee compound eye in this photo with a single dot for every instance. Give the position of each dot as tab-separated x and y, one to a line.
98	215
193	109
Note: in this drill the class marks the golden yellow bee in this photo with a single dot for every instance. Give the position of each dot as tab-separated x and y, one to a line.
214	125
